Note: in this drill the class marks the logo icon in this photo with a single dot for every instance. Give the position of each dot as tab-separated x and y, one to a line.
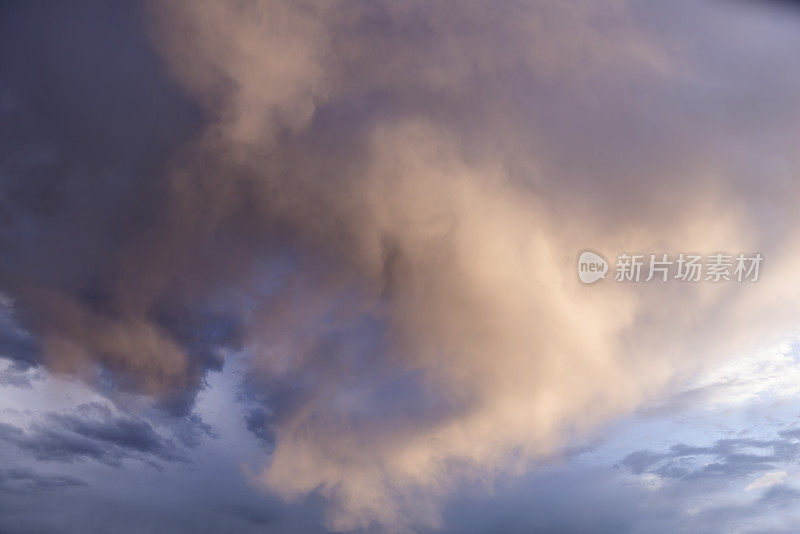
591	267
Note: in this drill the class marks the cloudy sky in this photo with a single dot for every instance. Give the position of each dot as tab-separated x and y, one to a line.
301	267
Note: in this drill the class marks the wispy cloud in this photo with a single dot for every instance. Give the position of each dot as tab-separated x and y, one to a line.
93	432
28	481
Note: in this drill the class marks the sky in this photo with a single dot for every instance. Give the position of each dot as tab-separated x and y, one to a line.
301	267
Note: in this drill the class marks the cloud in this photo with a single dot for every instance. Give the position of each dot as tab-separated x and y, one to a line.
257	423
380	206
18	345
88	123
766	480
93	432
727	460
28	481
439	168
18	375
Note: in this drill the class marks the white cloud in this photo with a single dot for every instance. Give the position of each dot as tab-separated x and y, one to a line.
766	480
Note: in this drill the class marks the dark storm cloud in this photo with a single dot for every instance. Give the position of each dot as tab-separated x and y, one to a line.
92	432
90	257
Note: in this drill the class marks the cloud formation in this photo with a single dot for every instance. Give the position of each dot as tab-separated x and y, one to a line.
730	458
381	205
93	432
28	481
446	163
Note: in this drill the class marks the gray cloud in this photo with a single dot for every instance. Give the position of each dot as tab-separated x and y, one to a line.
88	123
29	481
93	432
18	375
258	421
725	459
